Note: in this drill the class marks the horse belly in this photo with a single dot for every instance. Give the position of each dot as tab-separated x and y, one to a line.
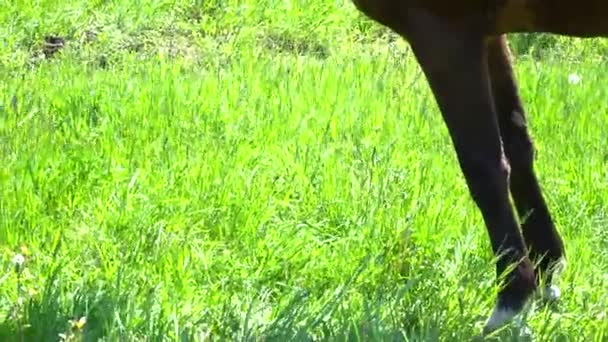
583	18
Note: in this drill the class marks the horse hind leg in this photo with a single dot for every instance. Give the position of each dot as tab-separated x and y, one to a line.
541	237
454	61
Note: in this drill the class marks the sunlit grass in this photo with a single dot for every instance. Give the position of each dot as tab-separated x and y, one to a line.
261	177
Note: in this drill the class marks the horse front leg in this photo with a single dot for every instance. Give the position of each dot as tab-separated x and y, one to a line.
453	58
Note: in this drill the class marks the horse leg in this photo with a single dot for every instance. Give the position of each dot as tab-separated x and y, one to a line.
541	236
453	59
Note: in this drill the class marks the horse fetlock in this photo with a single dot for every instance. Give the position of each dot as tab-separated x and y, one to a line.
551	271
520	283
550	293
558	267
500	316
511	302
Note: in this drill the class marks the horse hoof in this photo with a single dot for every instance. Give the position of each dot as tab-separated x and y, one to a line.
551	293
500	316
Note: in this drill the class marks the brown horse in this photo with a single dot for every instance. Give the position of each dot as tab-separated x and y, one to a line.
462	50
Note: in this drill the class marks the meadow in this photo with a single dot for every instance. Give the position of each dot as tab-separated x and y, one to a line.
268	170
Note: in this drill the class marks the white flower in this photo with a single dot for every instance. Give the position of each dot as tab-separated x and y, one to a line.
18	260
574	79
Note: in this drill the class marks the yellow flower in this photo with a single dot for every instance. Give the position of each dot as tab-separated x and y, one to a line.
79	324
25	251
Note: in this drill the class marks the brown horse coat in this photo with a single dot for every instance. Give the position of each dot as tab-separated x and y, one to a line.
462	50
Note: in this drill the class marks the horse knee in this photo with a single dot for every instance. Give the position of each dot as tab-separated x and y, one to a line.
520	151
487	178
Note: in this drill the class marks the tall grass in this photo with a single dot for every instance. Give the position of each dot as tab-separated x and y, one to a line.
266	170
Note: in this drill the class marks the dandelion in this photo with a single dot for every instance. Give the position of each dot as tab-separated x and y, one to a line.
74	332
18	261
574	79
79	324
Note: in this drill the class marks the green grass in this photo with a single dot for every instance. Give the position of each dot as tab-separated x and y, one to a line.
267	170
